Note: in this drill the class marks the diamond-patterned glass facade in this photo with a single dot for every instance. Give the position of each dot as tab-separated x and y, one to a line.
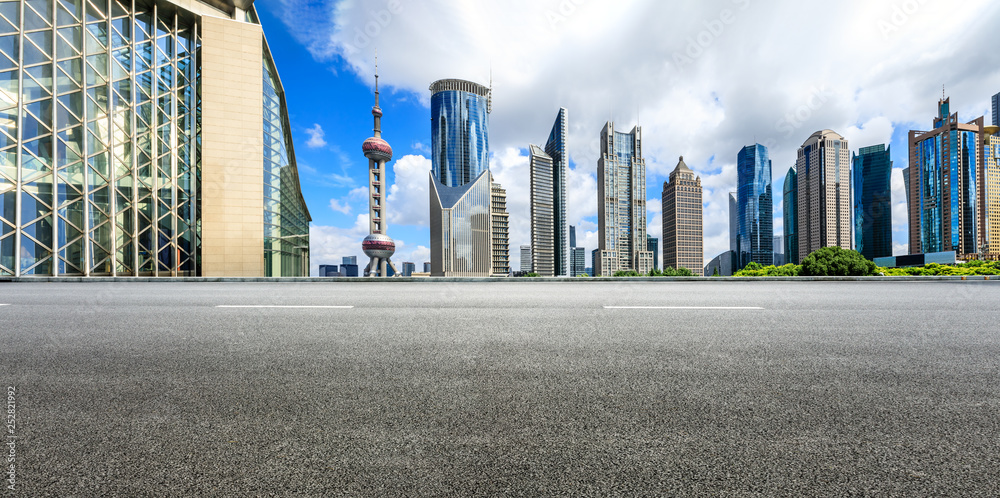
98	139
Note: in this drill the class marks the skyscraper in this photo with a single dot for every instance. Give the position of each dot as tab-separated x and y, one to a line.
621	207
943	193
145	139
755	236
872	192
823	176
501	231
526	259
653	246
683	242
578	255
543	231
996	110
461	186
556	148
791	217
378	245
991	215
734	222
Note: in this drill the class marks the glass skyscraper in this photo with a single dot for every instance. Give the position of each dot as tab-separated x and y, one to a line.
942	191
996	110
556	149
117	156
755	236
460	131
791	217
872	191
462	189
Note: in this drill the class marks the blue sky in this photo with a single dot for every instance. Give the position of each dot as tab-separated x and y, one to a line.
702	78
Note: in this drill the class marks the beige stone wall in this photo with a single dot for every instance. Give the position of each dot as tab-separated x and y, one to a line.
232	149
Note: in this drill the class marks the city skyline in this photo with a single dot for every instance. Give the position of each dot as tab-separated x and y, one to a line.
859	106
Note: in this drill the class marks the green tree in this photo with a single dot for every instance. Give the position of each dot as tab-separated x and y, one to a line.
837	262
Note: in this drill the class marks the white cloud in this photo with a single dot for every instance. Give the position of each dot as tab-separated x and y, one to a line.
755	74
409	199
340	207
316	135
329	245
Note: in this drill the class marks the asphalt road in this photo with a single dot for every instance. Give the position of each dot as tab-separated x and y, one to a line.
506	389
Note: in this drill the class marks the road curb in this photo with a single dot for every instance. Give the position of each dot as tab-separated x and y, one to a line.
402	280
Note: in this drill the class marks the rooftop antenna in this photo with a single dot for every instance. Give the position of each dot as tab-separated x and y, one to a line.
942	93
376	77
489	99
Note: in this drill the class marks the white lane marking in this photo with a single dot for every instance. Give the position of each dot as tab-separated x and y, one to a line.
682	308
293	307
4	305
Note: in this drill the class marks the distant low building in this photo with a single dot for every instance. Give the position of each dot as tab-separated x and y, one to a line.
918	260
723	264
408	269
328	271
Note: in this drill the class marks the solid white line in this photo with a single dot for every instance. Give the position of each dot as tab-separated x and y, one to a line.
680	308
293	307
4	305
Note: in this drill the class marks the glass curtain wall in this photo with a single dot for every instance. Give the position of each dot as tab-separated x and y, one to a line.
286	218
98	139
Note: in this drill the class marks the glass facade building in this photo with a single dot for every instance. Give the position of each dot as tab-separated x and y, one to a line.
790	213
943	186
872	191
996	110
104	139
460	132
755	232
556	149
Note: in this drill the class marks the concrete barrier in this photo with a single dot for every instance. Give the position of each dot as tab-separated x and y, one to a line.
403	280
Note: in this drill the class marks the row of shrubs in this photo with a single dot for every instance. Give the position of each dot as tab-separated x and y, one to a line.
837	262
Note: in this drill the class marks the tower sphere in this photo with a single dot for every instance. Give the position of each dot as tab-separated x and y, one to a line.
377	149
378	245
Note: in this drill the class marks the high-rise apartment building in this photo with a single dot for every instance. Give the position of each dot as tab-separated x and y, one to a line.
991	215
461	186
790	210
755	236
146	138
653	246
621	190
872	192
823	175
501	231
683	241
943	190
543	231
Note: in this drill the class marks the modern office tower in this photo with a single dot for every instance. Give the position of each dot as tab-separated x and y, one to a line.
350	260
790	215
734	221
578	255
378	245
501	231
543	230
621	207
328	271
427	267
145	138
556	148
823	176
755	208
408	269
461	186
683	242
595	257
653	246
352	271
996	110
526	259
943	193
872	193
779	250
991	153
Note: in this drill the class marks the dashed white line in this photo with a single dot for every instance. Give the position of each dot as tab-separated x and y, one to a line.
4	305
292	307
724	308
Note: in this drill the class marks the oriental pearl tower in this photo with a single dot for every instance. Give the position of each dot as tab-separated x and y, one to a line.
378	246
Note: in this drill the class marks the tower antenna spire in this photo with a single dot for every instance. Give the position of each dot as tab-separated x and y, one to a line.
376	77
